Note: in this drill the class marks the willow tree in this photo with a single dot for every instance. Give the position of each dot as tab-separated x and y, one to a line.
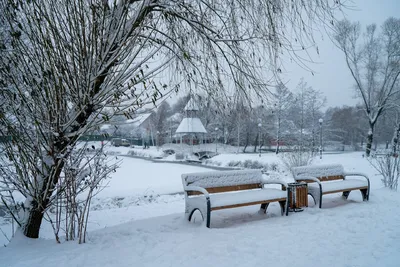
67	66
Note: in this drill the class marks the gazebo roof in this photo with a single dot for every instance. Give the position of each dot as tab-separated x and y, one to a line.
191	105
191	125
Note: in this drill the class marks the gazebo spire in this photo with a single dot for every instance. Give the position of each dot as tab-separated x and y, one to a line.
191	105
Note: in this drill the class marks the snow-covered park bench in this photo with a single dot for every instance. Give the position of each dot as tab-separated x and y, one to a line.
210	191
328	179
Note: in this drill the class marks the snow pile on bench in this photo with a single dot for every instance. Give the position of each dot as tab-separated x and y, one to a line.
319	170
339	185
223	178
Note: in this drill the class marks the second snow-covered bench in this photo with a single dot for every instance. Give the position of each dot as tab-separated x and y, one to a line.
210	191
328	179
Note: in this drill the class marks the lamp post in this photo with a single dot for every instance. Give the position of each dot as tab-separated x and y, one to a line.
216	144
259	138
320	137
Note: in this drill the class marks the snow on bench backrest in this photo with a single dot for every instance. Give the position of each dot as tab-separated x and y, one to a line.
318	170
223	178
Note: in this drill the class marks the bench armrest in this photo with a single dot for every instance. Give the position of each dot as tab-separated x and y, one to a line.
357	174
304	177
198	189
274	181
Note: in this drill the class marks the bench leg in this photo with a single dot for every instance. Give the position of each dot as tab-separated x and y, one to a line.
192	212
315	202
365	195
320	200
263	208
346	194
283	205
208	213
315	196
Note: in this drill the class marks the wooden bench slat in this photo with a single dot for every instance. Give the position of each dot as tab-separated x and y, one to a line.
213	190
343	190
248	204
324	179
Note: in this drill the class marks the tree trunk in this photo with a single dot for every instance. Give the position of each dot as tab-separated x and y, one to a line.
247	143
34	221
255	143
278	136
244	148
395	141
313	142
370	139
40	204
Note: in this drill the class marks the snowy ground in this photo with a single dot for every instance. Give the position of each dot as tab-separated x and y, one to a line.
136	221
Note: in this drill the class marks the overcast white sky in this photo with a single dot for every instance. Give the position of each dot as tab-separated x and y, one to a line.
331	75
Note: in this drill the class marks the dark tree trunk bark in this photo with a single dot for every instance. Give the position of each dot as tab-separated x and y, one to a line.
255	144
370	139
247	143
38	206
395	140
32	226
278	136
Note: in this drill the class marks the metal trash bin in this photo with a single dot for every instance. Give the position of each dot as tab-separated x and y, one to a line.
298	196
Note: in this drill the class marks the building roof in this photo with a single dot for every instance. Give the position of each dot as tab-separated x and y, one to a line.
139	119
191	105
191	125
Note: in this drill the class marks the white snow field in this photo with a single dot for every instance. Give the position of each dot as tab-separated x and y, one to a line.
135	221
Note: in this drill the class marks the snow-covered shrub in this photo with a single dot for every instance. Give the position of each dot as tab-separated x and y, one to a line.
248	164
137	153
234	163
212	162
388	166
273	166
179	156
83	177
296	158
132	153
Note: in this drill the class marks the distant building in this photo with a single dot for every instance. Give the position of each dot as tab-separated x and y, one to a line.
141	128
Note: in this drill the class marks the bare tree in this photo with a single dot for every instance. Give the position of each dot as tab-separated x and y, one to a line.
345	124
316	101
374	63
67	66
283	99
159	120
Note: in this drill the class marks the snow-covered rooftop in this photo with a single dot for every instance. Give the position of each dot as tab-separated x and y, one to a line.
139	119
191	125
